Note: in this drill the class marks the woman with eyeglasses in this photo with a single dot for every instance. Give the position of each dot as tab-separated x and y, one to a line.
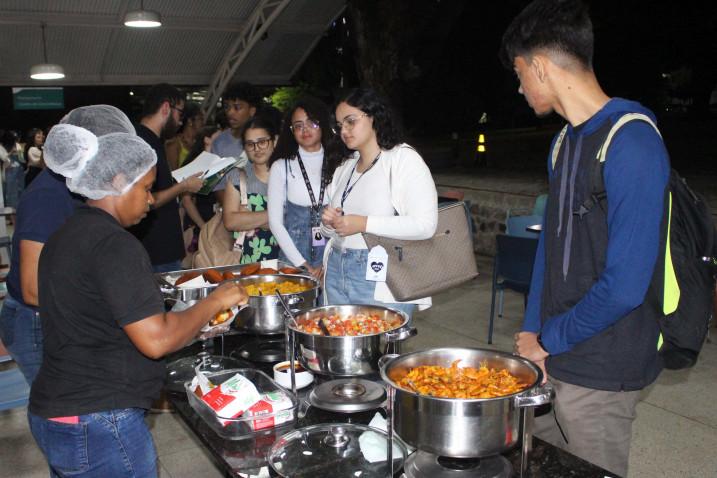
259	136
297	184
382	187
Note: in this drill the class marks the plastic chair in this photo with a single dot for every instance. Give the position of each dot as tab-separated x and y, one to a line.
14	390
539	206
512	269
518	225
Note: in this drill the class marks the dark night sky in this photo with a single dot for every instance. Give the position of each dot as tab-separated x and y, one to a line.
461	76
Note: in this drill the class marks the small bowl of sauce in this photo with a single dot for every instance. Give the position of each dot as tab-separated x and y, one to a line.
282	375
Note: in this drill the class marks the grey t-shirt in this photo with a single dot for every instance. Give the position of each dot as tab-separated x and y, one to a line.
253	184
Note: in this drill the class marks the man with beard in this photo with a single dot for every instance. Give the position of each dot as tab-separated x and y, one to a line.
161	230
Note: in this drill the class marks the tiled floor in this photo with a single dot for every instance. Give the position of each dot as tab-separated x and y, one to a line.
675	434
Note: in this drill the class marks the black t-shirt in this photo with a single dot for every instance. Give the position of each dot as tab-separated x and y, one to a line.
161	231
94	278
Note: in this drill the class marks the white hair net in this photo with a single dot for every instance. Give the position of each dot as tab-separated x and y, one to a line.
65	147
97	150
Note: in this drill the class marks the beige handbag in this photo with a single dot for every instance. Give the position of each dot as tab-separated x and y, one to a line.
423	268
217	245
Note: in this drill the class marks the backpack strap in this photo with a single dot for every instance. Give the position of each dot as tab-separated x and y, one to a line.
598	193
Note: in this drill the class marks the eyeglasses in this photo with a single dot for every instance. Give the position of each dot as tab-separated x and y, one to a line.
301	125
349	122
181	110
259	145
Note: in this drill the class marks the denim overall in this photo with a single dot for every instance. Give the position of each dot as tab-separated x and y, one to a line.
297	221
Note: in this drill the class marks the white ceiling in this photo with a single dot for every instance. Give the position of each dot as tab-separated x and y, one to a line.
88	38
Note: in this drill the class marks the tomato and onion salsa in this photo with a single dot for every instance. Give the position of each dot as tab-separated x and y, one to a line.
349	325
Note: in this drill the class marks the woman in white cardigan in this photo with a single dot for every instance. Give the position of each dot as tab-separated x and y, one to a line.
382	187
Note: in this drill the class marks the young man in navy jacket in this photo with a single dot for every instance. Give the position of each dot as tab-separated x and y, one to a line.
589	322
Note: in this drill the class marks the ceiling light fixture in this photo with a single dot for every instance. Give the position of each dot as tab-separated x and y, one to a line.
46	71
142	18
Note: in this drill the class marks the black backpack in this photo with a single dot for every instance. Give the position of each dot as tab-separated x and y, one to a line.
684	279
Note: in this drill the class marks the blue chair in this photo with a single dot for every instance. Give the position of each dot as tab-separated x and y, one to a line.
518	225
512	269
539	206
14	390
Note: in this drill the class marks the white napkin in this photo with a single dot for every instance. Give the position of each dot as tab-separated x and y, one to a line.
270	264
373	444
194	283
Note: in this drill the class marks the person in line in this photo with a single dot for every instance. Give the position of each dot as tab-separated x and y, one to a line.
378	177
43	208
161	230
13	168
240	102
297	184
589	321
177	149
259	138
199	207
33	153
105	328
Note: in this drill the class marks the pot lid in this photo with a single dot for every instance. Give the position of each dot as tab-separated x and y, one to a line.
348	395
336	449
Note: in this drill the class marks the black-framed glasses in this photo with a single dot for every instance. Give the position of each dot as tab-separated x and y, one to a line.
348	122
302	125
181	110
259	145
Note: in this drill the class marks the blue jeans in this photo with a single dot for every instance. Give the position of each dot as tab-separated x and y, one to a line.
168	267
14	185
114	443
297	221
346	281
21	333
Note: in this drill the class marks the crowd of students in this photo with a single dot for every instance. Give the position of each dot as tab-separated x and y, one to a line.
106	215
314	182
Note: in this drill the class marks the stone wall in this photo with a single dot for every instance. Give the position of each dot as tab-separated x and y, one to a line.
490	197
491	194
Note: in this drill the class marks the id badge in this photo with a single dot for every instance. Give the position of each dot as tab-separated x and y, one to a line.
317	239
377	264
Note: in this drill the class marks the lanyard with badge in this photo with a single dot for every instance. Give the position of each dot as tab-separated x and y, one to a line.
350	187
377	261
317	239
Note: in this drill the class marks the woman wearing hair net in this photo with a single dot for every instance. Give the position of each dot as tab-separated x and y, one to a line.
104	324
44	206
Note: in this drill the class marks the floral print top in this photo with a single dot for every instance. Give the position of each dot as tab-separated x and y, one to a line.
259	244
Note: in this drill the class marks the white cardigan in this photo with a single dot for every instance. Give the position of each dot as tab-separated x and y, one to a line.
413	196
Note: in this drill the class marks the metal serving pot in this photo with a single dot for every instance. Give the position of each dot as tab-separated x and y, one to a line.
462	428
347	355
166	282
265	314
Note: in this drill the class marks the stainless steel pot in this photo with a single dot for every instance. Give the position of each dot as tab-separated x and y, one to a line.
166	282
347	356
265	314
462	428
